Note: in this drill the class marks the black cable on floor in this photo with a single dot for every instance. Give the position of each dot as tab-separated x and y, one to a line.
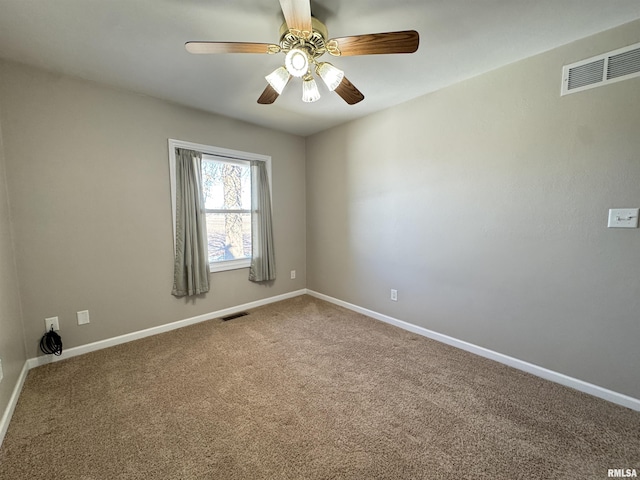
51	343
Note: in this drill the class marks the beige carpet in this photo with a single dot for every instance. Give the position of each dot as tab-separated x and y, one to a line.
302	389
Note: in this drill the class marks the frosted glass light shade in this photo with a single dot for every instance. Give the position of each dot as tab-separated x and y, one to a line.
331	76
278	79
297	62
310	91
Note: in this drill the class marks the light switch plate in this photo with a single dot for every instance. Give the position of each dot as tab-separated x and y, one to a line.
623	218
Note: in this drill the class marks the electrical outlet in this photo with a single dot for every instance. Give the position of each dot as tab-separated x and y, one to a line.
394	295
293	274
51	322
83	317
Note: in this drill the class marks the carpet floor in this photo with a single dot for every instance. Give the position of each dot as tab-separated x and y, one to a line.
303	389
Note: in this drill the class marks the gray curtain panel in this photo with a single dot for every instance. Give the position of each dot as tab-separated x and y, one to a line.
263	264
191	267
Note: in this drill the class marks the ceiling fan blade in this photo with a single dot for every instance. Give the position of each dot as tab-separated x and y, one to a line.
406	41
268	96
230	47
349	92
297	14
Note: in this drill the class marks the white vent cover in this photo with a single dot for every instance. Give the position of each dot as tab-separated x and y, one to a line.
604	69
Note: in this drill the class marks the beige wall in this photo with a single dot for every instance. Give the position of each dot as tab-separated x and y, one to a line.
485	204
88	178
12	350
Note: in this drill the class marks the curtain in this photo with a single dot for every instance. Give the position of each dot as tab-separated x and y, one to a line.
191	267
263	265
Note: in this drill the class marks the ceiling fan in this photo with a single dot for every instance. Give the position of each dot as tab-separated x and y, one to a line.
303	40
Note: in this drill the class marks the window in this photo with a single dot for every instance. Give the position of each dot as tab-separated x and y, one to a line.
226	183
227	196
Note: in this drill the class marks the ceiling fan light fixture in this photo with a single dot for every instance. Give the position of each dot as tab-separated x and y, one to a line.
278	79
297	62
310	92
331	76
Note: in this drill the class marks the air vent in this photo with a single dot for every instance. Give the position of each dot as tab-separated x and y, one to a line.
586	74
623	64
235	315
604	69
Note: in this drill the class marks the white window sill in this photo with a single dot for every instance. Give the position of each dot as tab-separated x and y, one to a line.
229	265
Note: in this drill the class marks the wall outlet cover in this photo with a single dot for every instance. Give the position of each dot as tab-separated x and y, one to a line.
83	317
51	322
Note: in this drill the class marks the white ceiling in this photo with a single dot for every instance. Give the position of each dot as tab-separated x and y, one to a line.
138	45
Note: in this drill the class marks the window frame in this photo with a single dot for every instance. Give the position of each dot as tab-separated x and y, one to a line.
224	265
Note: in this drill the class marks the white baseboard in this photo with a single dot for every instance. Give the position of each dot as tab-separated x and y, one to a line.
615	397
128	337
591	389
13	401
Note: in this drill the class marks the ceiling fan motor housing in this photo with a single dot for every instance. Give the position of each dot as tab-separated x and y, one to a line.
314	43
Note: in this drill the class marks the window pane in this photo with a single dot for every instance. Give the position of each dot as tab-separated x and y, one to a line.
226	185
229	236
